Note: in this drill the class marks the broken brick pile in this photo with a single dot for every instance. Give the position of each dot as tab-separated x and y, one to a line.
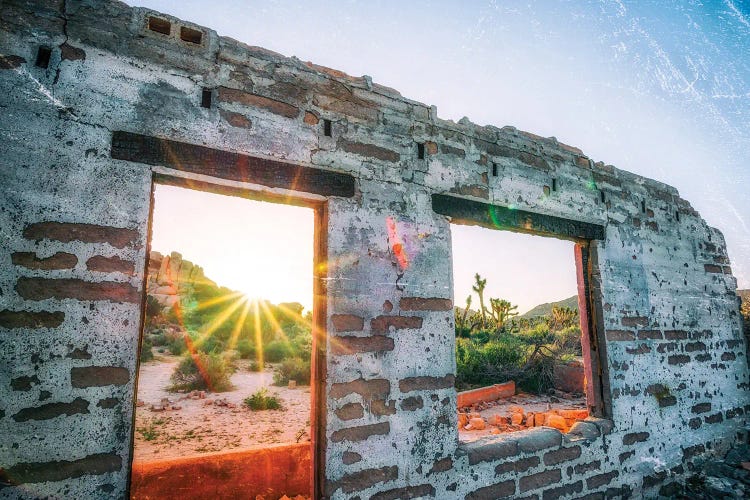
518	420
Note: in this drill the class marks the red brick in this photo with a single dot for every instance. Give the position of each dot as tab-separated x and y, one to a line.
711	268
382	324
442	465
369	389
410	384
52	410
649	334
635	437
98	376
419	304
539	480
350	411
675	334
103	264
419	491
633	321
360	433
678	359
311	118
31	319
431	148
494	491
364	479
518	466
66	232
601	479
555	457
475	190
236	119
379	408
412	403
368	150
29	260
69	288
350	457
347	323
257	101
563	491
70	53
619	335
341	346
42	472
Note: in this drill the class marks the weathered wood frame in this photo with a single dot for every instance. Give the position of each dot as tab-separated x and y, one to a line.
193	159
586	237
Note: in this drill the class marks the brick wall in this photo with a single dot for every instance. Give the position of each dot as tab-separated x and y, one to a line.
74	212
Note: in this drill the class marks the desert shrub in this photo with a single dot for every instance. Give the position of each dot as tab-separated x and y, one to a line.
568	341
302	345
157	338
255	366
202	371
176	345
246	349
277	350
146	353
261	400
153	307
480	364
292	369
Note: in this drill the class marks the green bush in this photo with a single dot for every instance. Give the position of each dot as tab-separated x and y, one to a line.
292	369
479	364
202	371
246	349
255	366
261	400
146	353
277	350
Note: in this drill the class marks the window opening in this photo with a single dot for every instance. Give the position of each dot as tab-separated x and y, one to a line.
225	360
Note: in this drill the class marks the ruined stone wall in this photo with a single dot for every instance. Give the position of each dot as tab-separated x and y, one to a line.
675	378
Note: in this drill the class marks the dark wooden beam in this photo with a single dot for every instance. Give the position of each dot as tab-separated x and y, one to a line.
463	211
228	165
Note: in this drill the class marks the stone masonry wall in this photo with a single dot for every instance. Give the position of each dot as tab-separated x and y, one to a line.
74	226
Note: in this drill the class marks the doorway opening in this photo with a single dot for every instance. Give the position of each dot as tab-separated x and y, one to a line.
520	360
226	387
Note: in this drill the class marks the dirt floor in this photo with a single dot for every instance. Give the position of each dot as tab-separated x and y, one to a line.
530	403
203	426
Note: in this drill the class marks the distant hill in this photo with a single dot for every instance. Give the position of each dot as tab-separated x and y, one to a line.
545	309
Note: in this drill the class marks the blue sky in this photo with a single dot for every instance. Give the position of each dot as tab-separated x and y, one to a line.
659	88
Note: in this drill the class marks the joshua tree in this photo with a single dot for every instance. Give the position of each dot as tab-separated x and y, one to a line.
462	328
502	311
479	288
562	317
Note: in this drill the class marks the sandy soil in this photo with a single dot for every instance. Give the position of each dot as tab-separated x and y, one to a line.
198	427
531	403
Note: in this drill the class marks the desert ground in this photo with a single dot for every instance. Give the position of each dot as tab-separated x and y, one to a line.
217	422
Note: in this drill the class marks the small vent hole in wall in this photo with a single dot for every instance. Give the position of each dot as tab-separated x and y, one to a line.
420	150
327	130
643	207
554	184
159	25
677	215
42	57
206	98
190	35
602	197
494	170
